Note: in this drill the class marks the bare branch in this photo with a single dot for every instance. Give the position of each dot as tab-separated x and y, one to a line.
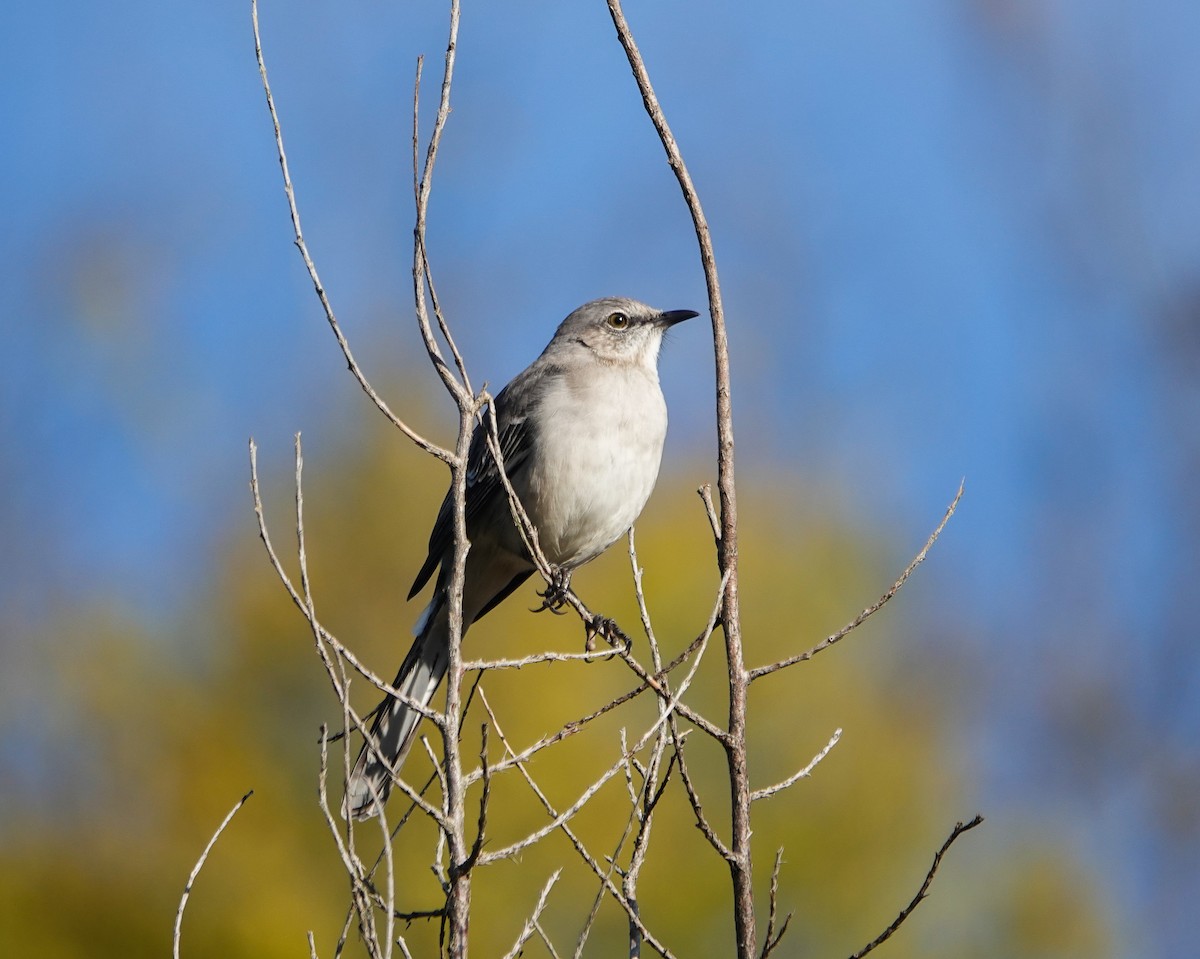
432	448
565	732
483	800
685	711
959	829
640	596
676	737
771	939
792	780
710	511
551	656
734	739
652	791
423	187
324	637
702	822
420	244
350	862
605	876
661	687
546	940
657	682
531	924
453	828
389	902
507	852
187	889
871	610
528	531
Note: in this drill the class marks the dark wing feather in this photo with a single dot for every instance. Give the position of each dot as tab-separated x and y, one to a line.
483	481
501	596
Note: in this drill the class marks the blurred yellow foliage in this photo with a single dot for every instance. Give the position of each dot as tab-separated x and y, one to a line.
162	734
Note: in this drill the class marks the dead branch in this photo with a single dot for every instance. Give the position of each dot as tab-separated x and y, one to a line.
959	829
740	863
802	774
531	924
871	610
605	876
772	939
429	447
187	889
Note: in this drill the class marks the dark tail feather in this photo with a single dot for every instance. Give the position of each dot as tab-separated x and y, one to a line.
395	726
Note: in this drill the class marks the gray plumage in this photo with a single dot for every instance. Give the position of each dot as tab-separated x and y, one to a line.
581	431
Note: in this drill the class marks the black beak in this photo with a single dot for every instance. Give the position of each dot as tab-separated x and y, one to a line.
670	317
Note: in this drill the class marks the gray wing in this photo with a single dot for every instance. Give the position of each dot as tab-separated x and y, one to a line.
484	486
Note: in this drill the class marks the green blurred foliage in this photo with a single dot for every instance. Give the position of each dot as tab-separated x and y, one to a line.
159	735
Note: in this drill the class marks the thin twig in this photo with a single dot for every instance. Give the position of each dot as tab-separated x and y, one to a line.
350	863
531	924
806	771
959	829
772	939
423	187
432	448
546	940
187	889
604	875
871	610
550	656
483	800
643	610
652	791
325	637
460	862
710	511
702	823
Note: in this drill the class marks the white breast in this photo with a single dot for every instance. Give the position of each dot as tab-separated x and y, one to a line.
596	463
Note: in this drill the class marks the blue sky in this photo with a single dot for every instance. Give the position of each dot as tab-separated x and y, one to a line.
956	239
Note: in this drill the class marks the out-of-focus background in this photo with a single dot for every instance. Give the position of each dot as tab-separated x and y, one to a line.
955	239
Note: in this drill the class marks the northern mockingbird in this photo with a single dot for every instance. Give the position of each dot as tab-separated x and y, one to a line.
581	433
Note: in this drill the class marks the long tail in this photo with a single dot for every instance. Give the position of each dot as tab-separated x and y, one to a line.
395	725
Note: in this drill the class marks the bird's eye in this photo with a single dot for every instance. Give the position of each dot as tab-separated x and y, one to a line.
618	321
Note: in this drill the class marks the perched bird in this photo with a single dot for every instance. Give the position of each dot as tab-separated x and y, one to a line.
581	433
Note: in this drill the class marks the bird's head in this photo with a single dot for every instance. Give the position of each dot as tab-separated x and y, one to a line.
618	330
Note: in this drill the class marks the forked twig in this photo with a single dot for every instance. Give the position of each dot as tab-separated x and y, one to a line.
531	924
324	638
771	938
429	447
584	797
604	875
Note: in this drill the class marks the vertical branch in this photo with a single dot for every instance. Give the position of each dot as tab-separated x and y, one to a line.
458	902
423	186
461	861
740	863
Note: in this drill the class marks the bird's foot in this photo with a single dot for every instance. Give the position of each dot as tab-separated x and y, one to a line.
608	630
554	597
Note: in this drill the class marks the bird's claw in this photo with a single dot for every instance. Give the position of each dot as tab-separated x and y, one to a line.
608	630
554	597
